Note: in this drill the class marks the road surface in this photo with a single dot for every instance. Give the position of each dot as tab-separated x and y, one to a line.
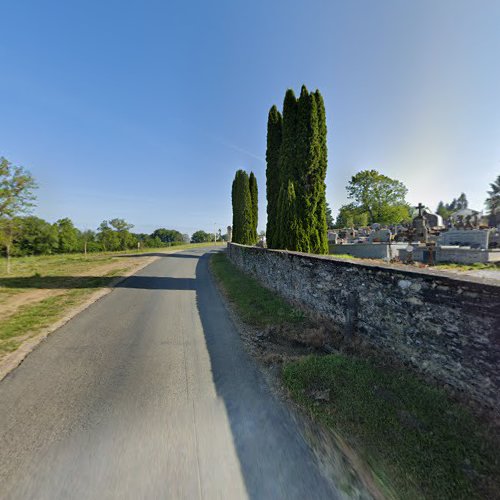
148	393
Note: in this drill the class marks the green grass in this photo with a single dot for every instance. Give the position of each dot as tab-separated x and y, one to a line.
31	319
67	264
57	272
418	443
469	267
255	304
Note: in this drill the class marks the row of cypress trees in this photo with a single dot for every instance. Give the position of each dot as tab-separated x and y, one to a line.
296	170
244	197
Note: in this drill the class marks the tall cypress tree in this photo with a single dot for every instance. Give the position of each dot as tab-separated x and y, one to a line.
274	136
242	209
323	164
287	162
254	197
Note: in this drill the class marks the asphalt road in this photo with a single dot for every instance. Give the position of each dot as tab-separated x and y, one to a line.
149	393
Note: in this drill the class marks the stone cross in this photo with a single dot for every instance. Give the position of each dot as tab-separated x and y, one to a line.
420	208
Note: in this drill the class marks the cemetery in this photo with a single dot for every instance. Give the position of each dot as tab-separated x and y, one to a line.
467	238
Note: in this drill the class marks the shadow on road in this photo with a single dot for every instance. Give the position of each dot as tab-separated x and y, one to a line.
274	458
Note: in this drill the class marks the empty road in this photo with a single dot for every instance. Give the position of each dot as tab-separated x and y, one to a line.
148	393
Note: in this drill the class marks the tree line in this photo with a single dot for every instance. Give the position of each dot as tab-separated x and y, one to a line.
24	234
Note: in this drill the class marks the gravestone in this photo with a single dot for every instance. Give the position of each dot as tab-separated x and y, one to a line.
333	237
380	236
473	238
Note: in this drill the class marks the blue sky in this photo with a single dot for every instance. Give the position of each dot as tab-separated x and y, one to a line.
145	109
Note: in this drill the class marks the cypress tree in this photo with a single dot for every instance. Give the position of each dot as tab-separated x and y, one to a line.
274	135
254	198
286	164
242	209
323	164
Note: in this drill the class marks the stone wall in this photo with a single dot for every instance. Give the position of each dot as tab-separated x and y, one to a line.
446	327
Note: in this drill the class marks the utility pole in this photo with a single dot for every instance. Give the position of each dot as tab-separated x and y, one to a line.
215	234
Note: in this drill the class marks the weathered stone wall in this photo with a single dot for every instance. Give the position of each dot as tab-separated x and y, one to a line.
445	326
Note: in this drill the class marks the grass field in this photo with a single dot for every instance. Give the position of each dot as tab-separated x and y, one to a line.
40	290
415	440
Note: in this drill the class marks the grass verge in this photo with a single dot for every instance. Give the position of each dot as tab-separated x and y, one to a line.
417	442
255	304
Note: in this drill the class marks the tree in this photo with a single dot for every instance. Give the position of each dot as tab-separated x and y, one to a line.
168	235
274	136
286	164
301	215
16	198
242	209
329	217
380	196
67	236
201	237
36	236
493	202
351	216
254	198
462	202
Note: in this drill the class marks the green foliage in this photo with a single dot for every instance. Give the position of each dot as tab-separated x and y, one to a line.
36	236
493	200
380	196
257	305
412	435
167	235
274	136
201	237
351	216
68	236
243	231
115	235
330	224
446	209
16	189
254	198
301	222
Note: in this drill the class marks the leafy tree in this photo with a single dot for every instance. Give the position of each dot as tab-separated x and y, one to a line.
168	235
274	136
67	235
201	237
254	198
380	196
242	209
493	202
36	236
16	198
107	237
351	216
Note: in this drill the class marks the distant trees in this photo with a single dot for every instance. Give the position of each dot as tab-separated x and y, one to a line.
168	235
296	170
244	209
377	199
201	237
446	209
493	202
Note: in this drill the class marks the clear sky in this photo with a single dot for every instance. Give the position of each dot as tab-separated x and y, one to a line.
145	109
